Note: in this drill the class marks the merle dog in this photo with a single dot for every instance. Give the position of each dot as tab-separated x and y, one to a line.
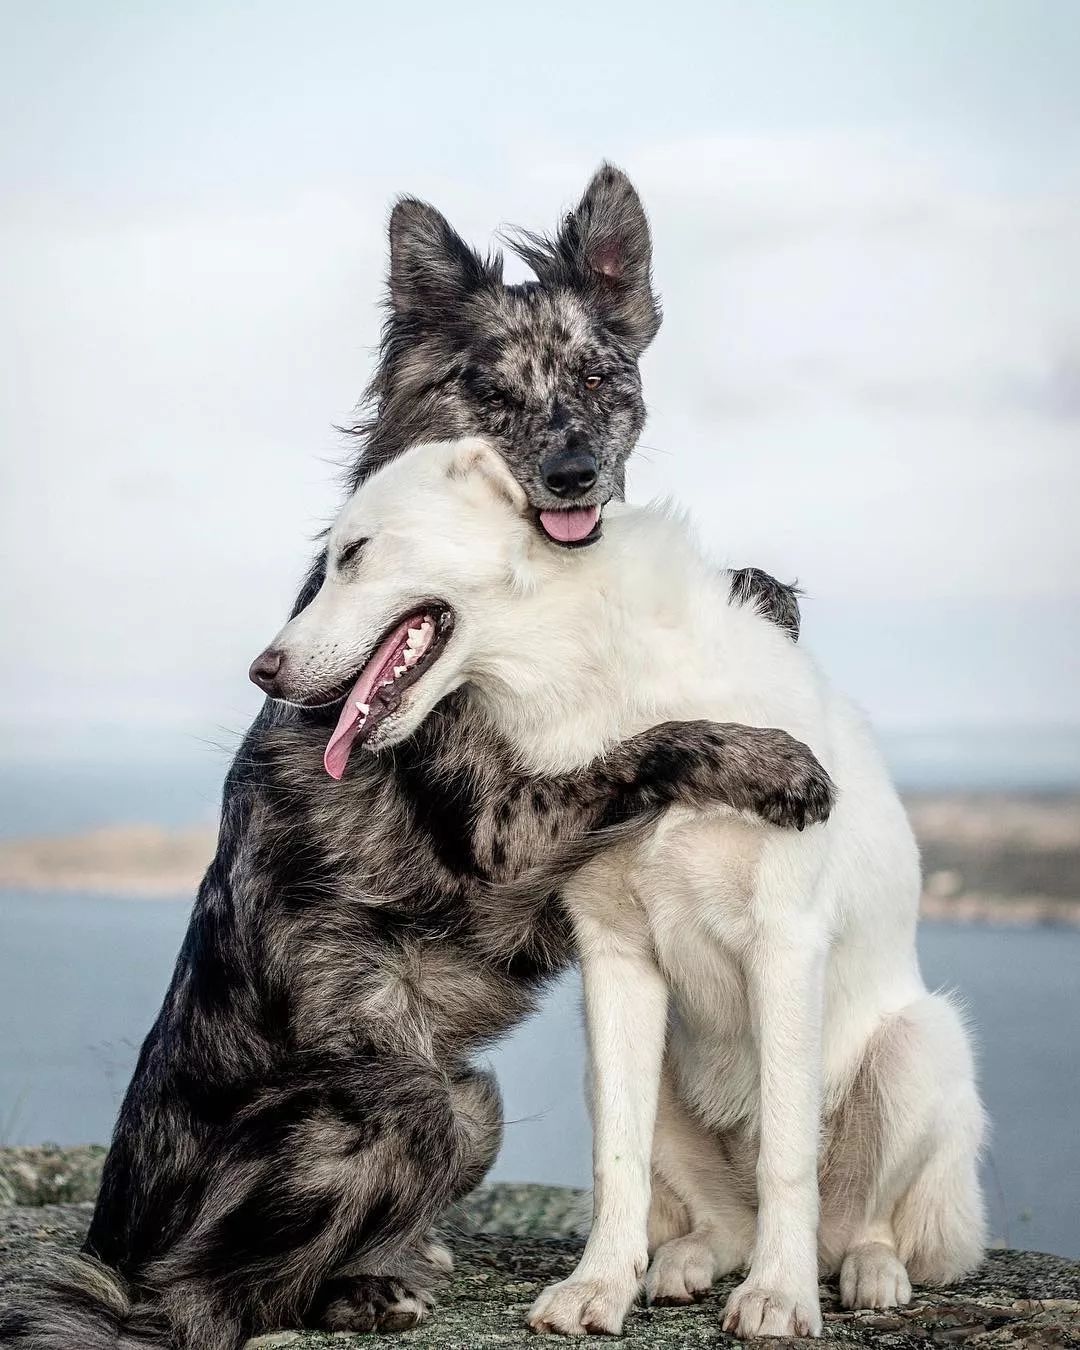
305	1105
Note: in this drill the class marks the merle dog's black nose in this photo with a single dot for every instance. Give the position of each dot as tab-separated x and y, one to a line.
266	668
569	472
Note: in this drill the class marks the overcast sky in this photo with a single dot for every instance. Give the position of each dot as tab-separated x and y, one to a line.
867	223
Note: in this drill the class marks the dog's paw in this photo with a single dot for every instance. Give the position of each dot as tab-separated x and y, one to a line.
754	1311
681	1272
576	1307
374	1303
805	797
873	1276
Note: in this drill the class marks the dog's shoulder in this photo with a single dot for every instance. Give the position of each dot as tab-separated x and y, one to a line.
773	600
660	537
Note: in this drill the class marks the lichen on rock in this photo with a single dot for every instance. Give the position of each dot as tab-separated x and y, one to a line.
504	1258
49	1174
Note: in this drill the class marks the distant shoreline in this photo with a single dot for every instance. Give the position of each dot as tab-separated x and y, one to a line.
137	862
997	858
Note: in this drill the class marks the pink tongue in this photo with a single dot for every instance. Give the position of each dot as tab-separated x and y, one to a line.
569	527
340	744
336	755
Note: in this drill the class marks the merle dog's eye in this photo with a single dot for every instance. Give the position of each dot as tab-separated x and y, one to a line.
593	380
351	551
494	401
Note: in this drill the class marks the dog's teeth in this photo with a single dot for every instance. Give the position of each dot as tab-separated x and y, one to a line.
398	670
411	657
364	708
414	635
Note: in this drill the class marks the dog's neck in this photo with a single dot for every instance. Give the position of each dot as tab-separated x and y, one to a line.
573	666
547	683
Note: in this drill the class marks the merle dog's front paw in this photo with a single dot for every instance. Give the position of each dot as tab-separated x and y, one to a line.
368	1303
762	770
799	795
779	778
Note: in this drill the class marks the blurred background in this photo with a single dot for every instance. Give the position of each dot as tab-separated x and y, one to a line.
867	231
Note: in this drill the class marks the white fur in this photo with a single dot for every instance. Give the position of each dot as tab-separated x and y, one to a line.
817	1102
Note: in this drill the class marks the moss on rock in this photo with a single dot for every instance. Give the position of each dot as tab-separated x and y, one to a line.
50	1175
1015	1299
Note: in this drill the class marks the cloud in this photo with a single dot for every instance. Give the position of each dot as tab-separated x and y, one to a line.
867	377
866	373
852	267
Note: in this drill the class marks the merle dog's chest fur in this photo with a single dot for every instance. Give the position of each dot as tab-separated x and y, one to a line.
380	881
338	923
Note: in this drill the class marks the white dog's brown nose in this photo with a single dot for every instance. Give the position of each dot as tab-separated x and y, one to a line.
266	668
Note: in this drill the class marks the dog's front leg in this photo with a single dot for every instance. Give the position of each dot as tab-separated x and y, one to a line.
785	983
626	1016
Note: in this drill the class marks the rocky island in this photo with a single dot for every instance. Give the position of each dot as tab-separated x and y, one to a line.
991	857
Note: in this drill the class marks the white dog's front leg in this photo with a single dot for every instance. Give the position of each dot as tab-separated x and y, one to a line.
626	1017
786	987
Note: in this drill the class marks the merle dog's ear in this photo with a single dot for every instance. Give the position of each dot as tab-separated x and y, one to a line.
432	269
604	249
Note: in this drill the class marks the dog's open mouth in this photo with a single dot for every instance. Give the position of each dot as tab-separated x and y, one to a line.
411	647
573	527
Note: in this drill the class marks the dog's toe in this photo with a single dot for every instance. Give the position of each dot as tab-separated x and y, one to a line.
873	1276
681	1272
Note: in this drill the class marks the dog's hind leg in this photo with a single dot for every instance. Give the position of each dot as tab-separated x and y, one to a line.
669	1218
354	1299
900	1195
865	1165
940	1221
325	1195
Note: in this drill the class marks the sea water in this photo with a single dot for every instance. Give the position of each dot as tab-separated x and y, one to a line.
81	979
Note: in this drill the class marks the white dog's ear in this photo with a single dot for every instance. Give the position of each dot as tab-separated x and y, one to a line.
475	458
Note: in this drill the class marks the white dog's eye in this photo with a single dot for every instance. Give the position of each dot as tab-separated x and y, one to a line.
351	552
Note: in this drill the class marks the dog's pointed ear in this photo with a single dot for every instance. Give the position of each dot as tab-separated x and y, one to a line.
603	248
476	458
432	269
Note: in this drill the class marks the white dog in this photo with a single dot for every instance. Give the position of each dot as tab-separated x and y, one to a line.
772	1085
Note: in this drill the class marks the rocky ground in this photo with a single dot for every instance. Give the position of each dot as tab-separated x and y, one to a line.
511	1241
1016	1299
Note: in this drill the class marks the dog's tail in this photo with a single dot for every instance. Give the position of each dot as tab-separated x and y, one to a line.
80	1305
